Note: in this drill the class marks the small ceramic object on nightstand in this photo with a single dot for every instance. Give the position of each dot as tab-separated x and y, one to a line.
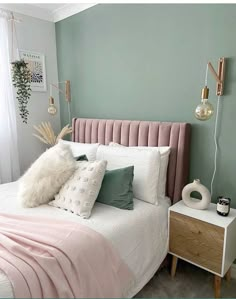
202	204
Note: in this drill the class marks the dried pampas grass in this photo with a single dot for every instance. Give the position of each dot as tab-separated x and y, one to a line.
47	135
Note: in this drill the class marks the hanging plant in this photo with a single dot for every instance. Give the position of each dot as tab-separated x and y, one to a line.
21	78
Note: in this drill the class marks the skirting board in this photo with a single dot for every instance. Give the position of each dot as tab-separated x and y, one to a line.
233	271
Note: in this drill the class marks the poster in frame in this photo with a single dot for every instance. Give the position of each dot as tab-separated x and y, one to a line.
36	65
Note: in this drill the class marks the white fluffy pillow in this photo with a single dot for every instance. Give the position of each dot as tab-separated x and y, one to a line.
46	176
79	193
146	170
78	149
164	152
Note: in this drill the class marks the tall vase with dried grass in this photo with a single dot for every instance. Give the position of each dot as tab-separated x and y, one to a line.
47	135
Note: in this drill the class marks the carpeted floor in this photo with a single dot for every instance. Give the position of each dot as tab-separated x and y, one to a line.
189	282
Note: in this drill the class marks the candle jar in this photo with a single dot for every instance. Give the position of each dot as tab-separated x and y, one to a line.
223	206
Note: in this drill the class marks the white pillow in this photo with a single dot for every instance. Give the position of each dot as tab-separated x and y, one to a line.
164	152
79	193
46	176
78	149
146	170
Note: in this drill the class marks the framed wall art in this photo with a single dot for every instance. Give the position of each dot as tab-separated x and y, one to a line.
36	65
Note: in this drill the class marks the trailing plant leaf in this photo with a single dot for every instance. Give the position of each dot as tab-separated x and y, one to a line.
21	78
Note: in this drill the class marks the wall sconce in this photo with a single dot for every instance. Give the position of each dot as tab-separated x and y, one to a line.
205	110
52	109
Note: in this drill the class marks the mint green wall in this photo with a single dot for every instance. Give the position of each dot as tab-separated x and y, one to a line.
147	62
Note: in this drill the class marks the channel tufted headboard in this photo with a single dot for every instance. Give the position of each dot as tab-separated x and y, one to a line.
143	133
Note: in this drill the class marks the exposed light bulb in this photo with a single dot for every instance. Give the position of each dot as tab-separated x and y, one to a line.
204	111
52	108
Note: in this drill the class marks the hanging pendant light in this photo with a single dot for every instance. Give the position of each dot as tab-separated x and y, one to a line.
204	111
52	108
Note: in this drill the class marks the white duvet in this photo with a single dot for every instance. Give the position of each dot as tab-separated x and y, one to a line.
139	235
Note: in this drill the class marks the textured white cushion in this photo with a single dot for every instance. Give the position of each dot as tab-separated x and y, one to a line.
164	152
79	193
46	176
78	149
146	170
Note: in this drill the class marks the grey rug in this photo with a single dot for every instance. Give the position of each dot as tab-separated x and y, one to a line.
189	282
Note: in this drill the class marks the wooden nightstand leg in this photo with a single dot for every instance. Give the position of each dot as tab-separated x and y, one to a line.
217	286
174	265
228	275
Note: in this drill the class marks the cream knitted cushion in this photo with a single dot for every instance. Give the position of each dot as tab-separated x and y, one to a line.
79	193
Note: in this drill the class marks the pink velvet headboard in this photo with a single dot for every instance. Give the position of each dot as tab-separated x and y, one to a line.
143	133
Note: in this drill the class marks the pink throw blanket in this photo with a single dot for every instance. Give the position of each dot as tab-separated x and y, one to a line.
45	258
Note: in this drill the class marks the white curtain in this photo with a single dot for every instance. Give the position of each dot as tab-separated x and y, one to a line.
9	158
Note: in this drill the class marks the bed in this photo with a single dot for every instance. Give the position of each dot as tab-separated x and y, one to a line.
141	237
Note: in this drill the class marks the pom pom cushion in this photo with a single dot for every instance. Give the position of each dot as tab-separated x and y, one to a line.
146	168
46	175
79	193
117	189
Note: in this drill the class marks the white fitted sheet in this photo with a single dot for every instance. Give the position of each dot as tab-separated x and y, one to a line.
139	235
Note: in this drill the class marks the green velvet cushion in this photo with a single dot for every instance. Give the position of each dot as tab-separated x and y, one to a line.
117	189
81	158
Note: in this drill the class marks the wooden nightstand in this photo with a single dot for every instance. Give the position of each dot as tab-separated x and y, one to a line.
203	238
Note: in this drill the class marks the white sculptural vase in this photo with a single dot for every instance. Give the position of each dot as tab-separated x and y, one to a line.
194	203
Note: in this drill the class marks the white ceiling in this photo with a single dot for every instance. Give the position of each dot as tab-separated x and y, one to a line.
53	12
49	6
